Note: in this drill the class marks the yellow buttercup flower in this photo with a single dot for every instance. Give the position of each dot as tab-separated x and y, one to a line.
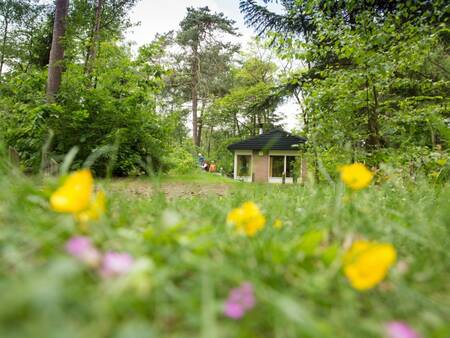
95	210
278	224
356	176
75	194
367	263
247	219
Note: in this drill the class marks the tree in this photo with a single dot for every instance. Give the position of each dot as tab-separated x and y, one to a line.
95	36
198	30
248	100
251	101
371	88
9	11
14	14
108	20
109	113
55	67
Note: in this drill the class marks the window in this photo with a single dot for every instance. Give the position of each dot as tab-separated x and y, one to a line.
282	164
276	166
290	166
243	165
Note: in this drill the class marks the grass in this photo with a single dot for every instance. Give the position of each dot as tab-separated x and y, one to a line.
196	177
187	260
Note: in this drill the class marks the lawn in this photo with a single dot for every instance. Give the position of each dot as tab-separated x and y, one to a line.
186	259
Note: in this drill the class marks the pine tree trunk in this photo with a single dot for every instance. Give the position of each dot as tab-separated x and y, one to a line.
95	38
5	37
195	79
200	123
55	66
209	139
199	132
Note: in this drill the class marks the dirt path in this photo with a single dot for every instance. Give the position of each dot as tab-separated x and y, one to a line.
141	188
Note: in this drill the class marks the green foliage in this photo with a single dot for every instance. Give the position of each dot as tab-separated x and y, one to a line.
203	63
181	161
106	105
23	113
250	102
22	24
201	25
396	86
374	85
119	112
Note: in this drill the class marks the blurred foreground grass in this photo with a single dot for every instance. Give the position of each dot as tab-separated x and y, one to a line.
187	259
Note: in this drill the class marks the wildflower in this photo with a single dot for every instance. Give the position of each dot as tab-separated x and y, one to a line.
115	264
356	176
82	248
240	300
75	194
247	219
367	263
95	210
400	330
278	224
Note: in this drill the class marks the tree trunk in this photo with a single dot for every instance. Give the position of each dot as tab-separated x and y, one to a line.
95	38
209	139
5	37
260	123
57	51
199	132
200	123
195	79
303	110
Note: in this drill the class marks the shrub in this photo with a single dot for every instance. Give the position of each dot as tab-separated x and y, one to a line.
180	161
118	112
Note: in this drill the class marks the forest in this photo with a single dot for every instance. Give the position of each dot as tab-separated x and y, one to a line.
370	80
110	228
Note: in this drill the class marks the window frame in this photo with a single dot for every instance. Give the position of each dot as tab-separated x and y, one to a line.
271	157
249	165
287	179
235	165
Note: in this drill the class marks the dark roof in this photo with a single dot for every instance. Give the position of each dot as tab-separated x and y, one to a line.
275	139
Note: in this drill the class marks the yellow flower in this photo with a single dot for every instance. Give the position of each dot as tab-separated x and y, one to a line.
95	210
247	219
367	263
75	194
278	224
356	176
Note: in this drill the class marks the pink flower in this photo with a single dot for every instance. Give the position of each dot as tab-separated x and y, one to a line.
240	300
82	248
400	330
115	264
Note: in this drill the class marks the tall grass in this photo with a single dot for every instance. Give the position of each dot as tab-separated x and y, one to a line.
188	259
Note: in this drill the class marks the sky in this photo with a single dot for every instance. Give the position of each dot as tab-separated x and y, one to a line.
159	16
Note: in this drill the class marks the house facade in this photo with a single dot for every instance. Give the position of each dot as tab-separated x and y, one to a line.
268	157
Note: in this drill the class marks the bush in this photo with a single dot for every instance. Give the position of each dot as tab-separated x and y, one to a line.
180	161
113	120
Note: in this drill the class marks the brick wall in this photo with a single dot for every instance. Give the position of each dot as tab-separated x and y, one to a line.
261	167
